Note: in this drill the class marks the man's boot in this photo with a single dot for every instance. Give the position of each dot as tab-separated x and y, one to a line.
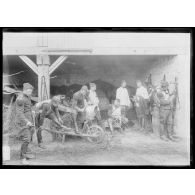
164	138
173	138
29	156
42	146
25	153
24	161
39	139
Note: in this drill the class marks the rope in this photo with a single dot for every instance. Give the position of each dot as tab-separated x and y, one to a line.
12	74
43	82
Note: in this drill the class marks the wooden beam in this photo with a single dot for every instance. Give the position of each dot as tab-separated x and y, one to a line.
57	63
97	51
30	63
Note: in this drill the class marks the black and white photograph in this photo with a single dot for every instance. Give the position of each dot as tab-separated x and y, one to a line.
96	98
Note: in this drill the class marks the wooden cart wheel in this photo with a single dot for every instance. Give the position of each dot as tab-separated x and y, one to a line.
96	131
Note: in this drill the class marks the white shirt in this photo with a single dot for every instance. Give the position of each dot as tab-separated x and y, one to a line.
93	99
123	96
142	91
116	112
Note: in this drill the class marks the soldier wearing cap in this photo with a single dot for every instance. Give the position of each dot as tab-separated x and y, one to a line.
47	109
80	99
66	110
165	112
25	121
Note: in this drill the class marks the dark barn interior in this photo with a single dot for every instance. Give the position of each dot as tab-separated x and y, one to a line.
106	71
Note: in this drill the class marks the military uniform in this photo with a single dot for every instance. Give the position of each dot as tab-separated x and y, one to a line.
46	110
79	101
155	112
165	112
24	115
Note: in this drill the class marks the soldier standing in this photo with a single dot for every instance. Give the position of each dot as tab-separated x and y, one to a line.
142	108
80	99
165	112
155	111
25	121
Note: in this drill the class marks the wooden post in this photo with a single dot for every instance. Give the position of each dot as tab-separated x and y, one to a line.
43	62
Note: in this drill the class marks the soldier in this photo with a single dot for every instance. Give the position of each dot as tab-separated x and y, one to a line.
79	104
155	111
68	113
142	108
47	109
25	121
165	112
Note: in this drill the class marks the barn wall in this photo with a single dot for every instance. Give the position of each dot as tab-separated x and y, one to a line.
176	66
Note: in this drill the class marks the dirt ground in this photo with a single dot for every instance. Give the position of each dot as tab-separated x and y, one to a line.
129	148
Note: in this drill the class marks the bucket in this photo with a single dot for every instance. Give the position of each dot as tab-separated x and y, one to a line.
6	153
6	148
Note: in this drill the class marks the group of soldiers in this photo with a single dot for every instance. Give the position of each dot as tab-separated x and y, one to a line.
29	120
156	107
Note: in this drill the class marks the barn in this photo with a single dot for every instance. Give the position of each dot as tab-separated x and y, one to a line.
50	61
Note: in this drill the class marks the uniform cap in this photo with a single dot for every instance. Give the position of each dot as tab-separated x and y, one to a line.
56	99
62	97
84	87
27	86
164	84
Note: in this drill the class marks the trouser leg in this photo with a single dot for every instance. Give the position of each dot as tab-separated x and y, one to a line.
74	115
162	122
124	111
99	118
140	121
39	119
155	121
25	137
23	151
169	124
110	124
39	135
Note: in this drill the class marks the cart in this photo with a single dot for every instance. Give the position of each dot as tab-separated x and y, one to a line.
93	133
90	130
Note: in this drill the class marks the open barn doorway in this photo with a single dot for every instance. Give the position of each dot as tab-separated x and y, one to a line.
107	72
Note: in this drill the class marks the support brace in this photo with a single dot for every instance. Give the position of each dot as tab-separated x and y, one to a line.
57	63
30	63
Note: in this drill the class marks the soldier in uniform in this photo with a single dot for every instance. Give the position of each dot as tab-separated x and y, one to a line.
155	111
67	112
80	99
25	121
165	112
47	109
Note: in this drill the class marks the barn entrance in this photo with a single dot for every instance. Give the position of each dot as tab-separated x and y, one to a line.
80	70
107	71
